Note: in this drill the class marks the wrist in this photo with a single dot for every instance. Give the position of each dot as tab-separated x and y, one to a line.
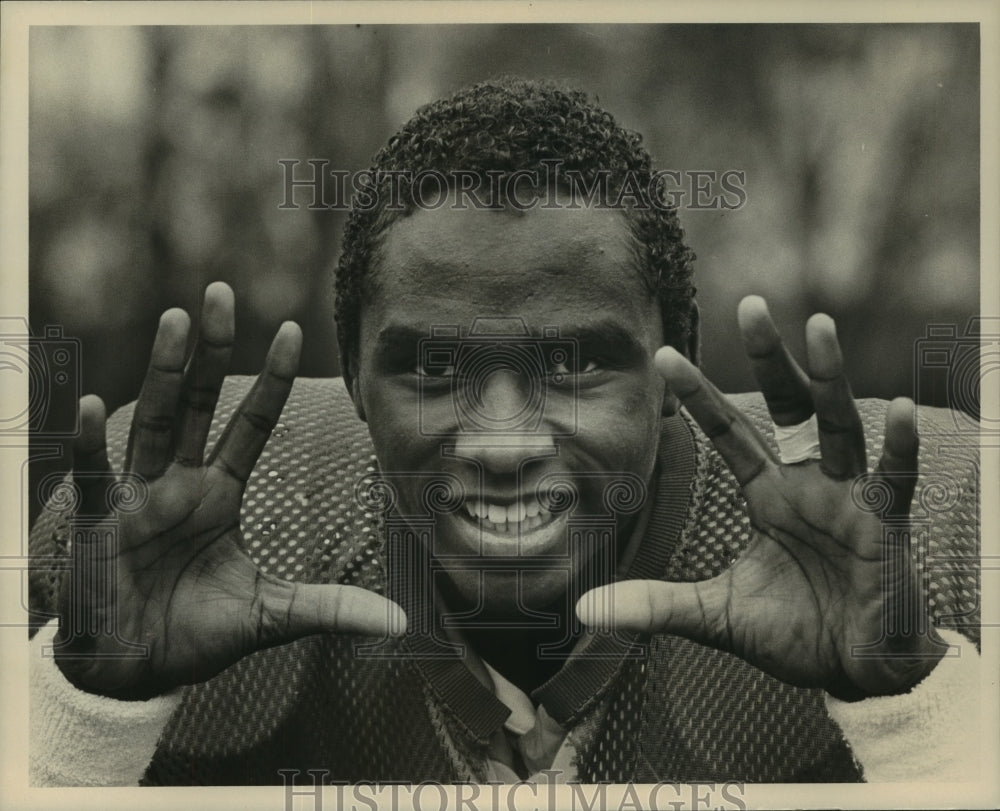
892	674
82	739
930	733
94	673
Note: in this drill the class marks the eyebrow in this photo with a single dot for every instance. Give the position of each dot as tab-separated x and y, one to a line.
395	336
604	334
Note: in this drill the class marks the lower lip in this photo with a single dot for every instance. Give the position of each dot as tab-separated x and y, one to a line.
547	538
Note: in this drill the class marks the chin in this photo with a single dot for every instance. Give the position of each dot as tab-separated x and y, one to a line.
504	596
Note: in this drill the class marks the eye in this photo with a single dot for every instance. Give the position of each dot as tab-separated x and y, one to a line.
434	371
585	366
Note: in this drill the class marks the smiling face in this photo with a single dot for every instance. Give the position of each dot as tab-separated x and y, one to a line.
449	383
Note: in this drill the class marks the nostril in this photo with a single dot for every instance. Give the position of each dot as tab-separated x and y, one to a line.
503	453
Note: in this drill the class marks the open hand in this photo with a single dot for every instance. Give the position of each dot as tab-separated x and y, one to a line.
822	596
183	584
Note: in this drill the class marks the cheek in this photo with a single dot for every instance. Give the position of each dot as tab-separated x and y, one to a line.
622	432
392	423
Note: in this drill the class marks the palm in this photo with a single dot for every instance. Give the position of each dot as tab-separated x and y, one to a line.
185	588
809	587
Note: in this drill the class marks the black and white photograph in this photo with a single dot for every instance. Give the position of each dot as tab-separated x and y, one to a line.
441	406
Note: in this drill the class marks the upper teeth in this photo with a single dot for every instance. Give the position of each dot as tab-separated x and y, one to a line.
498	514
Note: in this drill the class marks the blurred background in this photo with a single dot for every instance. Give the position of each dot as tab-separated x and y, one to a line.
154	170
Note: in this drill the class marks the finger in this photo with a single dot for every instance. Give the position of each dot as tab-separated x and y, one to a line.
734	437
897	466
293	610
696	611
841	435
205	374
150	440
782	382
241	443
91	470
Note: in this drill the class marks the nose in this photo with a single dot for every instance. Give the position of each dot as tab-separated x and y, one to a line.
503	434
503	453
499	398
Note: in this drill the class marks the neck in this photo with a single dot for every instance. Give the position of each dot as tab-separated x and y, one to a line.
514	651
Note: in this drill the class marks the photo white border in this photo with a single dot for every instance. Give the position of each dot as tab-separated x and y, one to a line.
15	20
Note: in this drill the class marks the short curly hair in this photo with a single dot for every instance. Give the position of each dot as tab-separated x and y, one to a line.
509	125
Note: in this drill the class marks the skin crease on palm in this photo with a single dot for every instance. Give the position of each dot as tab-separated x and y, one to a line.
814	556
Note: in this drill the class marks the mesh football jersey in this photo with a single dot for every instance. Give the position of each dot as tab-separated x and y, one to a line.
680	712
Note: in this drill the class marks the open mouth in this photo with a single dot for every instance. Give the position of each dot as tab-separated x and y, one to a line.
524	527
521	516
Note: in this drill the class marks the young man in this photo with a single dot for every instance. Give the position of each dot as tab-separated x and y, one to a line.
586	581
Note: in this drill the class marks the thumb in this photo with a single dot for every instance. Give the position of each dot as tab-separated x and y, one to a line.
293	610
691	610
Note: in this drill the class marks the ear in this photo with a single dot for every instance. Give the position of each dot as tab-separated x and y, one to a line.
694	335
670	403
692	350
353	384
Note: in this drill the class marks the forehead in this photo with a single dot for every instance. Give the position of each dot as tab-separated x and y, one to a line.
540	263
